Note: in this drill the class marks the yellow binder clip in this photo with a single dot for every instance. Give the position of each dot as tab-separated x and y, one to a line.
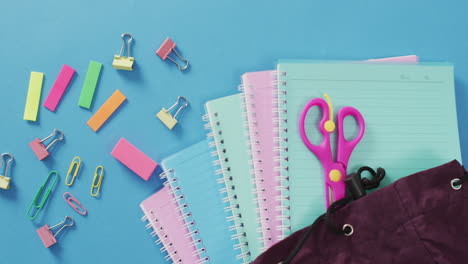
97	181
121	62
75	165
166	117
4	178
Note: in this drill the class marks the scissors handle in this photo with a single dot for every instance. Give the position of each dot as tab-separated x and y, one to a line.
346	147
323	150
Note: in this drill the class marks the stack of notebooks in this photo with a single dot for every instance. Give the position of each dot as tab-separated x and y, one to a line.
253	182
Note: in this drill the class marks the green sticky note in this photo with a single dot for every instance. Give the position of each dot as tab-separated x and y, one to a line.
34	96
90	83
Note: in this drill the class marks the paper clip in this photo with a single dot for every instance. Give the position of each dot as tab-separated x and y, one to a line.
45	196
38	147
75	164
73	203
96	186
166	117
166	48
45	233
4	178
121	62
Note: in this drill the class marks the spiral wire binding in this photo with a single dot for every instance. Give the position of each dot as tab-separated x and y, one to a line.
177	195
163	237
256	172
281	151
223	172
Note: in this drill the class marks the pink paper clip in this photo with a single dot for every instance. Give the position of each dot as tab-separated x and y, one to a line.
45	233
134	159
40	149
73	203
166	48
59	87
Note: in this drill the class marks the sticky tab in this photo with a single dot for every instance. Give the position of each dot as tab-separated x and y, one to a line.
90	83
59	87
134	159
33	98
106	110
46	236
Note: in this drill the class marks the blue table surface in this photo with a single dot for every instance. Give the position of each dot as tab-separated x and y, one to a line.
222	40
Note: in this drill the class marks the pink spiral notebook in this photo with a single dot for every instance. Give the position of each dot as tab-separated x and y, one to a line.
272	189
164	216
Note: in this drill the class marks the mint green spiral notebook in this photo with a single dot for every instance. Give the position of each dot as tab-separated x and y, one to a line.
409	111
230	143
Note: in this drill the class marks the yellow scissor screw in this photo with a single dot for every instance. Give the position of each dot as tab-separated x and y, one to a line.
335	175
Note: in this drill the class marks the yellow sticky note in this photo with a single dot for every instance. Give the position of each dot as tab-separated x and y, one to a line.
34	96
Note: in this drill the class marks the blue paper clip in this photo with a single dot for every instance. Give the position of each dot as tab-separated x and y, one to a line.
39	193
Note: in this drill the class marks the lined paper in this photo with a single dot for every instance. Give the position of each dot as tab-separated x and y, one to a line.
410	116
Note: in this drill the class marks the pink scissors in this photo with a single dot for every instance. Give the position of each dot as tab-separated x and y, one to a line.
335	171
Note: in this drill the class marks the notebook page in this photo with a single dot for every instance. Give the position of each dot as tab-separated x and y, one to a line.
164	218
192	172
409	111
227	111
259	95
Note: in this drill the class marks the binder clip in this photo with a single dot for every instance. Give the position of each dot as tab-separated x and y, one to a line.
4	178
121	62
45	233
166	117
75	164
96	185
38	147
166	48
45	196
73	203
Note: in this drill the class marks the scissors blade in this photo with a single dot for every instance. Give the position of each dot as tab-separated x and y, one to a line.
330	195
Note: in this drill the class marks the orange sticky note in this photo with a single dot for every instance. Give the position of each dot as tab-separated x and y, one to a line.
106	110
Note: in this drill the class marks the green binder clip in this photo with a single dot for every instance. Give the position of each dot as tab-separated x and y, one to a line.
40	193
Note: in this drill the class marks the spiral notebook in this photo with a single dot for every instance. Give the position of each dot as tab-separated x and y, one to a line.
259	97
193	178
409	111
230	141
163	215
260	106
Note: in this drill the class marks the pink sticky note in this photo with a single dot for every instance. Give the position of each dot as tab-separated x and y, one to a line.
134	159
59	87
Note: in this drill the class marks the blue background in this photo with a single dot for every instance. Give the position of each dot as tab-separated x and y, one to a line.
222	40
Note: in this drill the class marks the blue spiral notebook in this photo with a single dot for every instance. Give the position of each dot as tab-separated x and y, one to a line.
191	175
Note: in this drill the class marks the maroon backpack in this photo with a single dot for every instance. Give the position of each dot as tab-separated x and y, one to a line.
422	218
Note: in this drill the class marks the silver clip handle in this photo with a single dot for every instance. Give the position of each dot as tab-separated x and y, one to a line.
126	43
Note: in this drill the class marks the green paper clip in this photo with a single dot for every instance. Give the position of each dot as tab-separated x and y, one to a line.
44	197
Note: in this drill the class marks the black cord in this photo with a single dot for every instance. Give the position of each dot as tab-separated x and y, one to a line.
368	184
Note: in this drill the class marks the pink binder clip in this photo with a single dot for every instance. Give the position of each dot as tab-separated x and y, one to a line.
73	203
166	48
40	149
45	233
